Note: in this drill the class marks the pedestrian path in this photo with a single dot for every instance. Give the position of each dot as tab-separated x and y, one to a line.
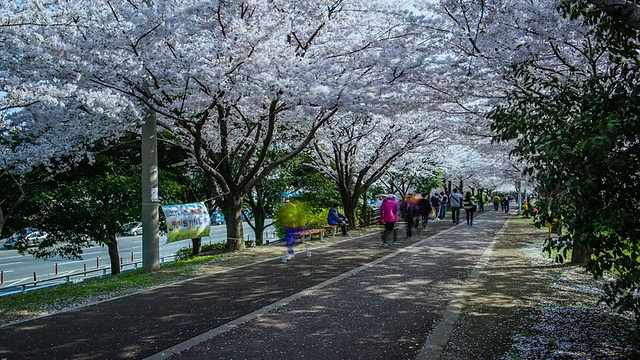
351	300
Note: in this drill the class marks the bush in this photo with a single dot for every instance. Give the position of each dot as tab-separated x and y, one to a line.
317	218
186	253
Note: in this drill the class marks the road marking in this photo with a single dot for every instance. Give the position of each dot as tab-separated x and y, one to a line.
13	263
14	257
74	262
17	282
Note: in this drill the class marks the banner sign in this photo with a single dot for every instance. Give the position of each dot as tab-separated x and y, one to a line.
186	221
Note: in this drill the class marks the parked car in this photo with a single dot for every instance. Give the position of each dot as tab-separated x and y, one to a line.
134	229
28	238
217	218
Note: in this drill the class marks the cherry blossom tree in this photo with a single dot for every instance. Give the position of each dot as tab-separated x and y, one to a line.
484	41
356	151
407	174
230	80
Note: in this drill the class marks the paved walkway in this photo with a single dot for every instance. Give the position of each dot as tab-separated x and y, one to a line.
350	300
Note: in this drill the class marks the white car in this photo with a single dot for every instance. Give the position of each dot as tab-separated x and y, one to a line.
135	229
30	238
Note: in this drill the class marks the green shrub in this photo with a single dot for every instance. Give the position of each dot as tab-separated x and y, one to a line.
317	218
186	253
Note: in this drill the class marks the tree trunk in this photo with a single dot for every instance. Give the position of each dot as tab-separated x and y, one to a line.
196	243
350	213
365	212
259	219
350	206
232	210
5	216
3	220
580	255
114	256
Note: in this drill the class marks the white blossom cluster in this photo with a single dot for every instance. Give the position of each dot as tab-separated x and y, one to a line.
232	77
218	71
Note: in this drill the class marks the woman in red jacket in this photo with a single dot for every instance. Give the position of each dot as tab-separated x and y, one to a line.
389	210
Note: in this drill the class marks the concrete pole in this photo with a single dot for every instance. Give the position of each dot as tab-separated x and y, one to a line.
519	212
150	235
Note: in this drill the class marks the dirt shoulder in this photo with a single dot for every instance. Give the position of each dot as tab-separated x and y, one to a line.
526	306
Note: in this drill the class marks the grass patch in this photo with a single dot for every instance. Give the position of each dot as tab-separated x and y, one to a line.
40	302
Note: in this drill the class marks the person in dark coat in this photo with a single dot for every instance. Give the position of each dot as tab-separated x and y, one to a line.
425	209
435	206
336	218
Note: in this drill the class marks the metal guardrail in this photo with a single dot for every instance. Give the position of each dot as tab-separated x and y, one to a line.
80	276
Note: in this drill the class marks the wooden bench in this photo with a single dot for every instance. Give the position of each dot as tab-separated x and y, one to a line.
332	229
305	235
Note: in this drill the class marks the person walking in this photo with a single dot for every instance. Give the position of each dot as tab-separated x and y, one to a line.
469	207
435	206
338	219
292	218
496	202
425	209
444	201
456	204
410	213
389	210
480	203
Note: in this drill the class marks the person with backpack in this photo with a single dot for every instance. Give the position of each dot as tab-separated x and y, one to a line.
496	202
456	204
469	207
410	213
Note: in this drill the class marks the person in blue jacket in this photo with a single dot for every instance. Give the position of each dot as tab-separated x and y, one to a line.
336	218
